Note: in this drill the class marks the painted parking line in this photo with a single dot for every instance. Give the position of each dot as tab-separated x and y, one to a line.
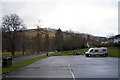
71	71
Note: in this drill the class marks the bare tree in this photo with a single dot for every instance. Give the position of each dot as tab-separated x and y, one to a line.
59	40
38	40
47	42
11	24
23	42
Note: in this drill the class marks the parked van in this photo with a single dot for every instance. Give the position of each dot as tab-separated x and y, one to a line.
102	51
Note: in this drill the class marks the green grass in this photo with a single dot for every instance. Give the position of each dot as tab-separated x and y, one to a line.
113	52
8	54
0	69
71	52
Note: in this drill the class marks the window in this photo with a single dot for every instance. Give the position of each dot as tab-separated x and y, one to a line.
104	49
91	50
96	50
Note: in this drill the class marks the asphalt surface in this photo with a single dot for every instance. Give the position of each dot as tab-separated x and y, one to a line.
24	57
68	67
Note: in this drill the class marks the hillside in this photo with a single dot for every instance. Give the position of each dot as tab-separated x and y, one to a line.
57	40
51	32
33	32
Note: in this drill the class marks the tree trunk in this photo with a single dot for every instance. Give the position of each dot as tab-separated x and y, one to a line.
23	50
12	49
12	53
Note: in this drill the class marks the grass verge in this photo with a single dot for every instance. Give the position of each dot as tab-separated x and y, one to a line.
17	54
114	52
71	52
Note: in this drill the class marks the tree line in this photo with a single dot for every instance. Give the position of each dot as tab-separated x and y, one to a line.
14	38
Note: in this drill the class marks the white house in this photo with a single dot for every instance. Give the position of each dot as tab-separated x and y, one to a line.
116	40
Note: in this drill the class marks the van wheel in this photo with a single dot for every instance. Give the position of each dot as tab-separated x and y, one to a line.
104	55
101	55
88	55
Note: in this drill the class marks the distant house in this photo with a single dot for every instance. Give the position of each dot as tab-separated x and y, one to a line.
115	39
104	42
87	44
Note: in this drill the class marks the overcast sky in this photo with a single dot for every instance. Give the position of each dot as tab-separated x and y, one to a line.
96	17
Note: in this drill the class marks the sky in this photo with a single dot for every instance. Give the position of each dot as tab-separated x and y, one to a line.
96	17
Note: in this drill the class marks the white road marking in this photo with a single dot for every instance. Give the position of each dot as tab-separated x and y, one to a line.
71	72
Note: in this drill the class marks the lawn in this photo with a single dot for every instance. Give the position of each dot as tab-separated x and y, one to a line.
0	70
71	52
114	52
8	54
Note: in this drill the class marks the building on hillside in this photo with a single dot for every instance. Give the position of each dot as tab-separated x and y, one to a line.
104	42
115	39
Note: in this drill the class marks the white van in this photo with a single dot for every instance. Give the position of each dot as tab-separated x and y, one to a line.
102	51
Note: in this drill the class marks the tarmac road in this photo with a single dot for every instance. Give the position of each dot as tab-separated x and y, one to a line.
68	67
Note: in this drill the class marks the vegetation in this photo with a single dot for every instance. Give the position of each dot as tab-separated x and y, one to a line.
71	52
113	52
59	40
38	40
0	70
10	25
17	54
18	41
16	38
47	42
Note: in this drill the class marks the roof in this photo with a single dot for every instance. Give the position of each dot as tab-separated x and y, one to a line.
99	48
